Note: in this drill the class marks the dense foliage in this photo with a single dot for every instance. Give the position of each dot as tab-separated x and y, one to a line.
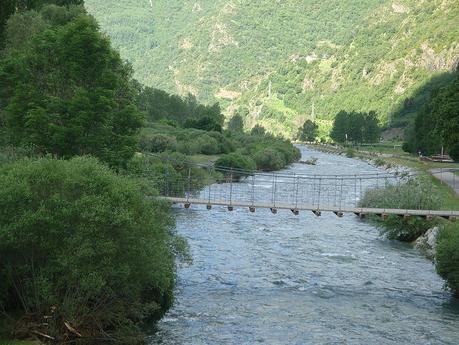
414	194
355	127
308	132
66	91
237	165
334	55
160	105
9	7
81	246
437	124
447	257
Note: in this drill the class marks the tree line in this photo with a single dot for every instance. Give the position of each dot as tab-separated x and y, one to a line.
436	126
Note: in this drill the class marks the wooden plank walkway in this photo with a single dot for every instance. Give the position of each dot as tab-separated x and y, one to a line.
316	209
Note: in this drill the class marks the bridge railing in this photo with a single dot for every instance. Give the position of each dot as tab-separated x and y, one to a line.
232	186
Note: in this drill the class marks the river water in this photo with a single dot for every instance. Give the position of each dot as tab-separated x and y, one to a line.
280	279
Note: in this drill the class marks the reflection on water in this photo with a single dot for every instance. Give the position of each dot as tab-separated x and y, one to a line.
281	279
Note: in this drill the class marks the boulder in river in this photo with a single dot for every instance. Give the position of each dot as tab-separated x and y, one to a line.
427	243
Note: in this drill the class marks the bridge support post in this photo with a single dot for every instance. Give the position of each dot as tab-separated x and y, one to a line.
189	185
231	191
274	191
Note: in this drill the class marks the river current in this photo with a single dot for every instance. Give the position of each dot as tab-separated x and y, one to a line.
283	279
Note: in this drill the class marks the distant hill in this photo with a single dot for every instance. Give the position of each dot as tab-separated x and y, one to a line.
281	62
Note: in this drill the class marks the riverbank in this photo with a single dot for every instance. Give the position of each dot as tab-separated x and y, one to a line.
394	159
437	239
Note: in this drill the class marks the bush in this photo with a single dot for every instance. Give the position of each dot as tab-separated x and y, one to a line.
414	194
350	152
454	152
447	257
81	245
207	145
157	143
236	161
269	160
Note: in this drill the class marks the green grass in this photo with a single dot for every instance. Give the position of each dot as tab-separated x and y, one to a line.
450	200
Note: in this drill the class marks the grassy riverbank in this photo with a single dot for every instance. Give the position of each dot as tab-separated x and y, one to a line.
427	192
390	158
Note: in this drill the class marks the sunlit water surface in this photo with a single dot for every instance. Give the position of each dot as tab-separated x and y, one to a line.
281	279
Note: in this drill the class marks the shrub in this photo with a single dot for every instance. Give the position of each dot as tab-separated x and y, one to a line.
236	161
447	257
379	162
350	152
269	160
157	143
414	194
208	145
81	245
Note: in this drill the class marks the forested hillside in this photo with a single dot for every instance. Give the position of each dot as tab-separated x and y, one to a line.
277	60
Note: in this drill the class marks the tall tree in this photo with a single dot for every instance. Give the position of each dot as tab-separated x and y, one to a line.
437	124
9	7
236	124
69	93
308	132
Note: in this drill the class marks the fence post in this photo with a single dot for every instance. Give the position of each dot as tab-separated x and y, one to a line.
341	195
318	198
231	188
189	185
253	189
296	192
355	190
210	184
274	189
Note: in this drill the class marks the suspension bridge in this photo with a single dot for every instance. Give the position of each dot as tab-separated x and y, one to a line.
209	186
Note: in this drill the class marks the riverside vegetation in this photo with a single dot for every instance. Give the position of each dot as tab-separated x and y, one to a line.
82	142
86	257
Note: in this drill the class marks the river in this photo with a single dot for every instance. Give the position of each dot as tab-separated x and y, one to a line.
279	279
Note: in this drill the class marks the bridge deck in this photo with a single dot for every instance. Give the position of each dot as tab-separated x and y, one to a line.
318	208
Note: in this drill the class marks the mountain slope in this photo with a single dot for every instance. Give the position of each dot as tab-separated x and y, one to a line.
275	61
204	46
394	55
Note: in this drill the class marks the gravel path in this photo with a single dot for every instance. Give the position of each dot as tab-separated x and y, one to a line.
448	177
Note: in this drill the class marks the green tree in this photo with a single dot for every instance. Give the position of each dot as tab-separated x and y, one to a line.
9	7
69	93
437	124
447	257
339	132
258	130
236	124
308	132
454	152
82	245
356	127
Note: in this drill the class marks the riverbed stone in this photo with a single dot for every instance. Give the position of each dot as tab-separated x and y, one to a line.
427	243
